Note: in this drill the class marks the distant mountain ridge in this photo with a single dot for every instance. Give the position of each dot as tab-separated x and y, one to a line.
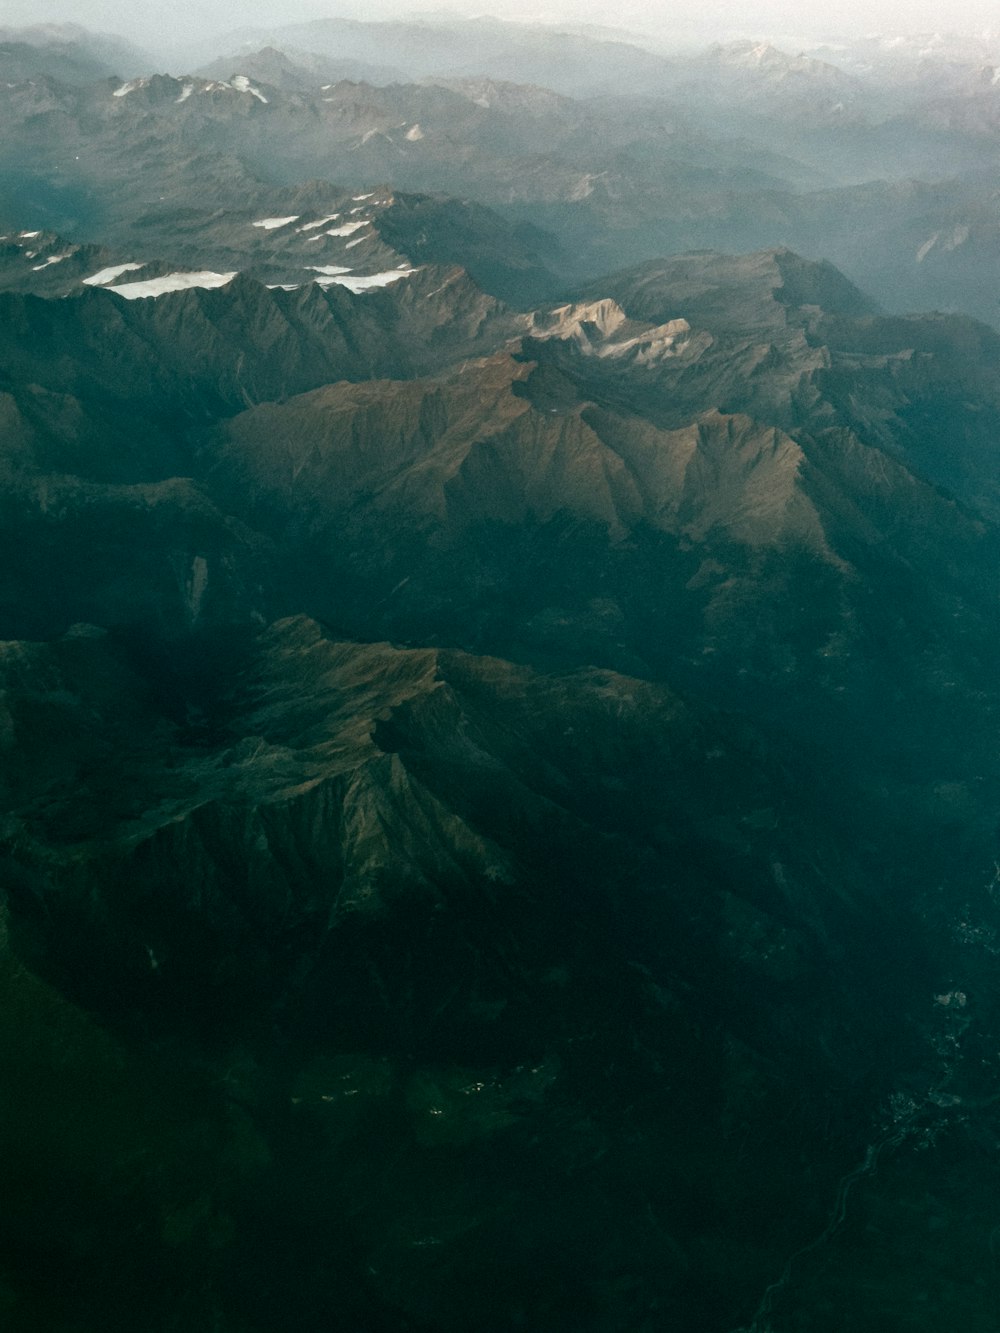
569	62
68	52
583	184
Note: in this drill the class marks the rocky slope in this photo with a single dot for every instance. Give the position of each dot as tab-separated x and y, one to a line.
493	800
386	920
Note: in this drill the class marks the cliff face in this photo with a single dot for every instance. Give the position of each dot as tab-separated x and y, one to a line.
490	797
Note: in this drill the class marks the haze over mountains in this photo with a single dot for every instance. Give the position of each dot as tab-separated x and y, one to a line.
880	158
498	693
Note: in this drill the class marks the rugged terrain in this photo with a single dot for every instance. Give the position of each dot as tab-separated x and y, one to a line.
500	773
886	169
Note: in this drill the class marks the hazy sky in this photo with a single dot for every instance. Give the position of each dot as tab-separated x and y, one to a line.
175	21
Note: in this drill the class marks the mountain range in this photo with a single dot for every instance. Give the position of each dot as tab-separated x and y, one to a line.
889	174
497	697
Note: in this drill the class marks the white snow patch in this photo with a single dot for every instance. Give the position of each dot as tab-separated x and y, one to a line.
414	133
109	274
956	238
28	235
447	283
173	282
243	85
129	87
272	224
186	92
351	244
320	222
366	281
330	270
52	259
359	198
347	228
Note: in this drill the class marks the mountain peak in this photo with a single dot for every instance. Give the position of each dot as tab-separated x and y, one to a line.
718	291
